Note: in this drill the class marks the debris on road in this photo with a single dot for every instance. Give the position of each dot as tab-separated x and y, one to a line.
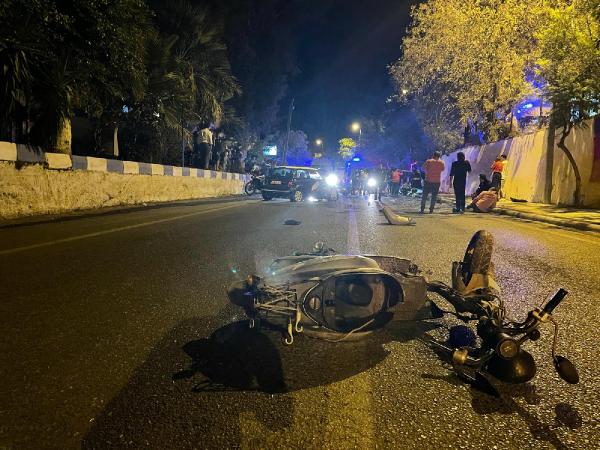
292	222
396	219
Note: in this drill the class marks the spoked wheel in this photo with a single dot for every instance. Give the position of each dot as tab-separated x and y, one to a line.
250	188
478	257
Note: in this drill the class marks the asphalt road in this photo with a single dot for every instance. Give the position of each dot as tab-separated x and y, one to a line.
117	333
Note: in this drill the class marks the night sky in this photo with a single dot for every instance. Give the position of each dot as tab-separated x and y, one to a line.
343	61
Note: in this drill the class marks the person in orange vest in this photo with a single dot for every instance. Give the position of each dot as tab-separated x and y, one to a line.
433	168
497	168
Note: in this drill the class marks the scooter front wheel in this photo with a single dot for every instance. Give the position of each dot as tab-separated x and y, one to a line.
250	188
478	256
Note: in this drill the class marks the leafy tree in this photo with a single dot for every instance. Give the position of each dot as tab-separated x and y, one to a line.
189	81
298	152
347	147
261	36
570	65
464	62
58	57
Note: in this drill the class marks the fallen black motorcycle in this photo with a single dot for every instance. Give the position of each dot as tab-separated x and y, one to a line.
345	297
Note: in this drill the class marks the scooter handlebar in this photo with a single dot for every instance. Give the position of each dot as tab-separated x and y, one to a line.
555	300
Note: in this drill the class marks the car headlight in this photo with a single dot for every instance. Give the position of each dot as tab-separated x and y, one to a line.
371	182
332	180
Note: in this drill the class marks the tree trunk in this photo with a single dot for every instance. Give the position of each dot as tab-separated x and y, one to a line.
549	163
569	155
63	137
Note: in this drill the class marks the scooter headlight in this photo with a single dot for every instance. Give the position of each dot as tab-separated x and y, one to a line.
332	180
371	182
508	348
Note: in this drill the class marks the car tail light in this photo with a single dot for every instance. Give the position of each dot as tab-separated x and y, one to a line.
290	183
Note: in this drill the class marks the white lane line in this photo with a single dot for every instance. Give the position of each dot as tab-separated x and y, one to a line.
350	401
353	240
115	230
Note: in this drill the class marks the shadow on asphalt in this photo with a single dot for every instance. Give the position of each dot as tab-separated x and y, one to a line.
197	386
506	403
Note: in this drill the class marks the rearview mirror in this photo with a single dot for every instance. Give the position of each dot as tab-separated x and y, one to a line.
566	369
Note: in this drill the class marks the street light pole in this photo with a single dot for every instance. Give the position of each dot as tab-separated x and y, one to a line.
319	143
287	137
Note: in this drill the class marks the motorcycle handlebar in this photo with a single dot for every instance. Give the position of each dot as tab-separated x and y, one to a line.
555	300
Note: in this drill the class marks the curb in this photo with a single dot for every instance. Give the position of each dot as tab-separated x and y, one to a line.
582	226
578	225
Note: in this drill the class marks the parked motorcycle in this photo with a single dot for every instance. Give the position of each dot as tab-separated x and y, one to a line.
255	184
344	297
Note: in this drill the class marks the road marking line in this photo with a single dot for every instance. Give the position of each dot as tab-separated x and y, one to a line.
353	240
115	230
350	402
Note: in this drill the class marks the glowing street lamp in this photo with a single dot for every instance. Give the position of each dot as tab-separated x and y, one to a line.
357	129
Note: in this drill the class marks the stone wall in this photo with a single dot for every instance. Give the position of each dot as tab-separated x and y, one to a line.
34	183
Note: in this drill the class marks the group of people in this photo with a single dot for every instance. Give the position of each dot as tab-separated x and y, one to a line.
388	180
483	199
211	151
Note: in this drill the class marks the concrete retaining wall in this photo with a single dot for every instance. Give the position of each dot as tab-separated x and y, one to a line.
525	169
33	183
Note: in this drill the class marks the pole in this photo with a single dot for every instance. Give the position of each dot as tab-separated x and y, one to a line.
359	137
287	138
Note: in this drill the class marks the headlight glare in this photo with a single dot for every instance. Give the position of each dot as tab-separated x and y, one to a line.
332	179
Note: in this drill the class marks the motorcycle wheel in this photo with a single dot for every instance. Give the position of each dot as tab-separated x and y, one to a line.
250	188
478	256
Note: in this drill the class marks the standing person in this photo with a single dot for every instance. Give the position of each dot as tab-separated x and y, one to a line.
380	175
497	168
433	168
416	179
195	153
355	182
364	177
225	158
206	144
234	159
458	180
395	181
216	153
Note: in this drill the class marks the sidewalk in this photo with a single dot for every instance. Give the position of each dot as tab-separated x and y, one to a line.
578	218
